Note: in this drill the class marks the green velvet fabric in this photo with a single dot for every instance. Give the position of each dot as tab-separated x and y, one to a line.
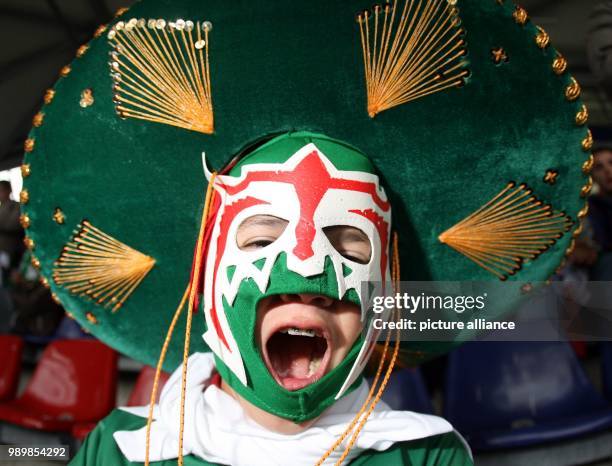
100	449
278	67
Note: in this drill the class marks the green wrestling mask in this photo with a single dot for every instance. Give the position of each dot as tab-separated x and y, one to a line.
311	183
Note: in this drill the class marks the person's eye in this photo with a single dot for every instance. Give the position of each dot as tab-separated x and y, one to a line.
259	231
253	244
355	256
350	242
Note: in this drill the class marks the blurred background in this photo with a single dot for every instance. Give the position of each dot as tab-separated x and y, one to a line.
516	403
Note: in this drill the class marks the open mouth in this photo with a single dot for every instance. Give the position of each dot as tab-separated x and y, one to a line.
297	356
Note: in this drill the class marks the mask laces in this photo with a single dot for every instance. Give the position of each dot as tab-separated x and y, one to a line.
190	295
356	425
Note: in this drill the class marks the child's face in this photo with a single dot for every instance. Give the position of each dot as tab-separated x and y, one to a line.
602	171
304	336
292	241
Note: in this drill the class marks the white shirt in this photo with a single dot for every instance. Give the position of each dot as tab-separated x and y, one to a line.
218	430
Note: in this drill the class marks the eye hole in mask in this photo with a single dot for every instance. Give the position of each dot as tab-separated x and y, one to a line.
259	231
350	242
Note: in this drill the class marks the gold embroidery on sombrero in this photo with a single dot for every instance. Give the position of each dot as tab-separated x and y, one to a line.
512	227
100	267
161	72
28	145
499	55
520	16
587	166
587	142
550	177
49	94
559	64
28	243
573	90
65	71
87	98
35	262
542	38
121	11
58	216
411	51
24	196
82	50
37	121
100	30
25	170
582	116
24	220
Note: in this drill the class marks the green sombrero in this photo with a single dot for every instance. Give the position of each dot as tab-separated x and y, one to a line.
482	113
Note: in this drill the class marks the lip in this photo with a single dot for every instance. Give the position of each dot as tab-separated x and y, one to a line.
302	320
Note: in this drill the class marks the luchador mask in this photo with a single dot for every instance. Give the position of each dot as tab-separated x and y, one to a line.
312	183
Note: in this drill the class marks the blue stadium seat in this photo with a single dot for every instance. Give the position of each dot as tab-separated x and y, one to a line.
406	391
69	329
66	330
606	372
514	394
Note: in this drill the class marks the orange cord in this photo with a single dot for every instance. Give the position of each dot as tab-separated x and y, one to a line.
197	270
360	418
160	363
352	424
190	292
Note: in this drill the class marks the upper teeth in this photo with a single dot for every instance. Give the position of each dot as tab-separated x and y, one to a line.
299	332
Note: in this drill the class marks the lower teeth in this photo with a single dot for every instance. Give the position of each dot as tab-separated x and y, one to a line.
313	366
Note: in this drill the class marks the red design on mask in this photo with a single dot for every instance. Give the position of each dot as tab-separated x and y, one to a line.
311	181
227	217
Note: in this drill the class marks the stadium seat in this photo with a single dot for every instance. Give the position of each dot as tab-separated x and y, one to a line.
141	393
502	395
74	381
11	347
81	429
606	363
139	396
67	329
406	391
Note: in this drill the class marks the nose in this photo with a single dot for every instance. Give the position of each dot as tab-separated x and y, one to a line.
307	298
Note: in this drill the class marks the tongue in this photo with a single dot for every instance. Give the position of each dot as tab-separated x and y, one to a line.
291	355
299	366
